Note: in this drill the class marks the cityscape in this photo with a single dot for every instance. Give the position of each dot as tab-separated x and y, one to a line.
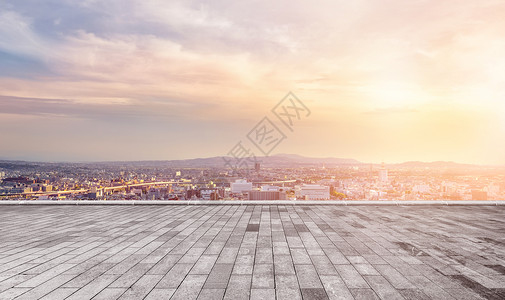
306	179
252	150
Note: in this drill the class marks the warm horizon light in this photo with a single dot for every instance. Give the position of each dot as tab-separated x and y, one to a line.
385	81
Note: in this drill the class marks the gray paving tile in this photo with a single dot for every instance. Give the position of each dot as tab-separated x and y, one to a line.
93	288
13	293
262	251
383	288
211	294
174	277
262	294
335	287
263	276
308	277
190	288
364	294
59	293
157	294
46	288
239	287
219	276
283	264
110	293
314	294
351	277
204	265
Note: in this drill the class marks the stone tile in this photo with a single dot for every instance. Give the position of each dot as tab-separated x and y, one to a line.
314	294
335	287
110	294
13	292
364	294
323	265
244	264
204	265
288	294
59	293
211	294
283	264
239	287
394	277
263	276
307	277
174	277
383	288
351	277
93	288
219	276
190	288
157	294
262	294
263	251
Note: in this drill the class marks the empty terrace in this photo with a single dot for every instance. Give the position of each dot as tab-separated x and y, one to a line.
252	252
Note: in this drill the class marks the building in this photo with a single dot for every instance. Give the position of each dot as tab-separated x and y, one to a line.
270	188
211	194
240	186
479	195
95	193
154	194
312	192
266	195
383	175
493	191
257	167
21	189
421	188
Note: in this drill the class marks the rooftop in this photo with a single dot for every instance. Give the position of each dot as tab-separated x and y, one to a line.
252	251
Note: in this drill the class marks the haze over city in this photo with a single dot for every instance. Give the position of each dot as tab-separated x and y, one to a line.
385	81
252	150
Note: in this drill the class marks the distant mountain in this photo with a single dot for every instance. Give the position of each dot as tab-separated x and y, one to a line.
434	164
278	160
303	160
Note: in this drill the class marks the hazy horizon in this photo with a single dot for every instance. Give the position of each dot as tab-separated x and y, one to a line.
390	81
272	155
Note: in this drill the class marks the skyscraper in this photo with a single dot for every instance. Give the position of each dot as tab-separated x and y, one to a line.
383	174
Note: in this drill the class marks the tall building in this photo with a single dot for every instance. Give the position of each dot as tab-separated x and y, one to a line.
383	174
257	167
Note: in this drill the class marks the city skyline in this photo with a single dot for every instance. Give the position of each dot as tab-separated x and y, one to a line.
217	161
391	81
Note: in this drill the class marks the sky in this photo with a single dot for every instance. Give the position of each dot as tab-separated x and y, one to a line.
390	81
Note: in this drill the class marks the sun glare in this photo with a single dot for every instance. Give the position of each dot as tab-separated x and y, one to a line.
394	95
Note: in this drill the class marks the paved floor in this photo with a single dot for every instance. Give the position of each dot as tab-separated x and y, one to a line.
256	252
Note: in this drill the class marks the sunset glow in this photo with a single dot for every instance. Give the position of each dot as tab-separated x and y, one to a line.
385	80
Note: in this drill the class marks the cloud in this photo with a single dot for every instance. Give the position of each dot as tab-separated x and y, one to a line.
391	110
17	36
104	109
211	61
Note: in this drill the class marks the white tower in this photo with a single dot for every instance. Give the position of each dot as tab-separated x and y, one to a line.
383	174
